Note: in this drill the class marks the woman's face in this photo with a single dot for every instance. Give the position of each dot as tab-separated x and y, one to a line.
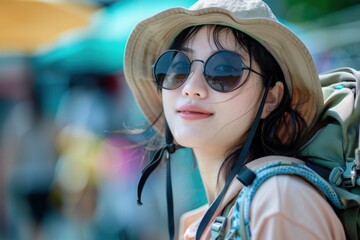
202	118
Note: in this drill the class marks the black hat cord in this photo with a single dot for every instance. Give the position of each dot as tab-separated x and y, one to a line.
169	149
169	194
244	174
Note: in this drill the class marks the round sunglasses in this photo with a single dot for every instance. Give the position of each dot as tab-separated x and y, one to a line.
223	70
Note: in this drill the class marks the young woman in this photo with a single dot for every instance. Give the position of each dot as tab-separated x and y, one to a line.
227	80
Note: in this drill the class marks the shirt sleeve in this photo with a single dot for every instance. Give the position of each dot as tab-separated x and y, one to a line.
288	207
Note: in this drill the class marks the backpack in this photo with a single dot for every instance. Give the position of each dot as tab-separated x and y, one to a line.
333	166
338	160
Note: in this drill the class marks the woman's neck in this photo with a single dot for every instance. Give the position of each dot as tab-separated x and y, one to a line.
209	166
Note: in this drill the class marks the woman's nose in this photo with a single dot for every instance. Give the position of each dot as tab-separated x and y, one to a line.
195	85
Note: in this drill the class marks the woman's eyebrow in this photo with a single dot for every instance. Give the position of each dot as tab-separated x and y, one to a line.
190	50
243	56
186	49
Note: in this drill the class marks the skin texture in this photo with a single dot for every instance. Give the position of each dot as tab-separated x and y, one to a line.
211	122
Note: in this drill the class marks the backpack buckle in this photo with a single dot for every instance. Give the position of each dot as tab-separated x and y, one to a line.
336	176
348	177
351	175
218	228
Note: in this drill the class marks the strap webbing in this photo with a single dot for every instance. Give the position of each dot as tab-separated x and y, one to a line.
169	198
238	166
148	170
170	148
350	221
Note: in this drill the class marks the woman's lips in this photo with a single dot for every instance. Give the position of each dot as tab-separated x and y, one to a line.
192	112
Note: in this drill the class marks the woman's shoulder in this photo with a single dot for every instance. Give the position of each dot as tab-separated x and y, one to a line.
282	191
288	204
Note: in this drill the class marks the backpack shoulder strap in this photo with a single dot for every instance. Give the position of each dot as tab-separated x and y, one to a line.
221	223
240	222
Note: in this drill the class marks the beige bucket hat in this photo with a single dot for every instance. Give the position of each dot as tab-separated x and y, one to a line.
154	35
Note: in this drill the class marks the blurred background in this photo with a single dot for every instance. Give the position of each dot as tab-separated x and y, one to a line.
64	171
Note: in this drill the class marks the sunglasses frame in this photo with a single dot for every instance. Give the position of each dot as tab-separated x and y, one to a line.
243	67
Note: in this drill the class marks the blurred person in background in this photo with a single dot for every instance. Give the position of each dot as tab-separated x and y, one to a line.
82	117
29	155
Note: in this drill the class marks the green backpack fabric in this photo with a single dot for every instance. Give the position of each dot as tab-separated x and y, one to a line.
334	151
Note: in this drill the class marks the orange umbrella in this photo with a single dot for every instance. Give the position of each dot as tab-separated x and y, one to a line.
27	24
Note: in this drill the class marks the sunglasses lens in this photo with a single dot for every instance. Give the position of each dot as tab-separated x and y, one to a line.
171	69
223	71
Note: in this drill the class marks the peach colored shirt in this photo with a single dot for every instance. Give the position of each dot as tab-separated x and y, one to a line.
284	207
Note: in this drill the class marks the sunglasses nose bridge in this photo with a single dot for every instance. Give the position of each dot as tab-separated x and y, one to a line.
195	85
191	64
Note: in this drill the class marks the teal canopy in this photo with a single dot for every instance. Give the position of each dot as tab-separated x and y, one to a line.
99	48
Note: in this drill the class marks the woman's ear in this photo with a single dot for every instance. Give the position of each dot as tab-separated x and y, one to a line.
273	99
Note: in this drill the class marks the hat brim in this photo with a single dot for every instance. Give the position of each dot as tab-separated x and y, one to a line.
155	34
